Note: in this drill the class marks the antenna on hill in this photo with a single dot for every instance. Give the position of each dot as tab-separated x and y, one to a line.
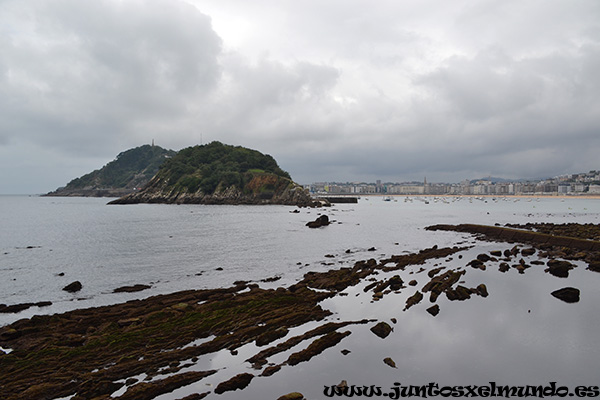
152	142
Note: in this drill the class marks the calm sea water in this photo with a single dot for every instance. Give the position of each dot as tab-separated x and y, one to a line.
519	335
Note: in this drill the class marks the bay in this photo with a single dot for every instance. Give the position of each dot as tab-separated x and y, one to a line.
520	335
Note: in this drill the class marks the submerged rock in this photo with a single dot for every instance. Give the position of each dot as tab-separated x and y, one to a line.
567	294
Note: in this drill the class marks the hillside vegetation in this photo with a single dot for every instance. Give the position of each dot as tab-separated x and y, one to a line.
216	173
215	165
131	169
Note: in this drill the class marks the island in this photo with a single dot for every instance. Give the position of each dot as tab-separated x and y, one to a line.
217	173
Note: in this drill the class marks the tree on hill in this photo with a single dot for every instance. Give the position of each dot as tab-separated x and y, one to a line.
207	167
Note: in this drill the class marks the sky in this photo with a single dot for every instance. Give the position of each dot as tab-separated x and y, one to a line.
334	90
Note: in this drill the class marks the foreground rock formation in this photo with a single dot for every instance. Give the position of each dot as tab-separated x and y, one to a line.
92	353
100	353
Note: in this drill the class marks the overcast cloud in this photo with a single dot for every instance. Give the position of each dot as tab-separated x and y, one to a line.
340	90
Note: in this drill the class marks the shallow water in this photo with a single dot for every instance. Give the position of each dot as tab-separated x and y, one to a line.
519	335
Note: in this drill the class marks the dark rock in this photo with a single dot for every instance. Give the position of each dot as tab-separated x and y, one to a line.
434	310
568	294
131	289
434	271
477	264
270	370
73	287
382	329
504	267
413	283
196	396
442	283
239	381
496	253
507	253
395	282
150	390
371	249
483	257
559	268
482	290
390	362
460	293
271	336
346	352
594	266
317	347
15	308
272	279
528	252
414	299
323	220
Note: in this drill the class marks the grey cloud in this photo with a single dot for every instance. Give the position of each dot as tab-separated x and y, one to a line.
338	90
90	72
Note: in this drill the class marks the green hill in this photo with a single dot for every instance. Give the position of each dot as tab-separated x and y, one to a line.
129	171
220	174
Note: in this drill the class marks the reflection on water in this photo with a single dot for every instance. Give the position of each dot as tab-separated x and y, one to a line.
519	335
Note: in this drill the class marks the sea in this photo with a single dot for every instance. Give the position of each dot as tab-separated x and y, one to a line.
519	335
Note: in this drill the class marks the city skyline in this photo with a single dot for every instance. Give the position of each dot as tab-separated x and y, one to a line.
576	184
